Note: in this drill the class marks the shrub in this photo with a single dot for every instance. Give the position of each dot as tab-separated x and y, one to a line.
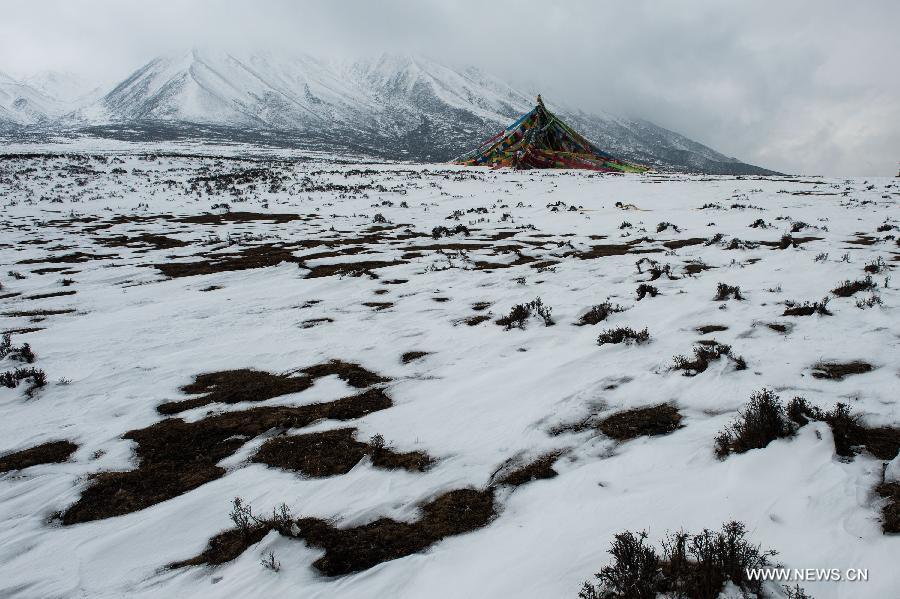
723	292
848	288
643	289
762	421
623	335
270	563
690	565
666	225
599	313
11	379
442	231
786	241
704	353
519	314
792	308
876	266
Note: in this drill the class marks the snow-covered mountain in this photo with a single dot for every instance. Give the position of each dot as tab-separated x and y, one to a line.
390	106
23	104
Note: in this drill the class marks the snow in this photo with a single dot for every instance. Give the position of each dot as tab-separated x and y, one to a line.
483	396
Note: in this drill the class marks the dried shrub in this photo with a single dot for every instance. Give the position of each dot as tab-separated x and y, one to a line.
848	288
643	290
704	353
442	231
724	292
520	313
623	335
21	353
793	308
599	313
689	565
761	421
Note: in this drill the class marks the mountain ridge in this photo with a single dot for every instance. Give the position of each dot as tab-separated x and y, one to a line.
389	106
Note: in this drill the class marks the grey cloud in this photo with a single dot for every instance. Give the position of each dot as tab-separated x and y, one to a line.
806	86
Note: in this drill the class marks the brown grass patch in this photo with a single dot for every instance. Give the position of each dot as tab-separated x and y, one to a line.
378	306
46	295
359	548
238	217
175	456
409	356
837	371
680	243
652	421
73	258
349	268
711	328
477	319
27	313
246	384
539	469
329	453
53	452
258	256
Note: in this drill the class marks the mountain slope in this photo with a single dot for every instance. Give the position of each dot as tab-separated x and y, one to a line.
405	107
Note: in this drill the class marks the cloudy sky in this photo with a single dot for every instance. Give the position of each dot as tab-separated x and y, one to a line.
798	86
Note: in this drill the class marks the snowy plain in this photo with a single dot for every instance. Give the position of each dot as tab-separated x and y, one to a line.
480	399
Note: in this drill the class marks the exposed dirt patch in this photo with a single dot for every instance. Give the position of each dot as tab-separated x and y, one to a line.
779	327
53	452
329	453
837	371
655	420
481	306
176	456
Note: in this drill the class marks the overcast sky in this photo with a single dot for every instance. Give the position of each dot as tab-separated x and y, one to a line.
798	86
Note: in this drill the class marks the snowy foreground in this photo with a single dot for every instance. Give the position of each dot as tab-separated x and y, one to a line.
263	293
